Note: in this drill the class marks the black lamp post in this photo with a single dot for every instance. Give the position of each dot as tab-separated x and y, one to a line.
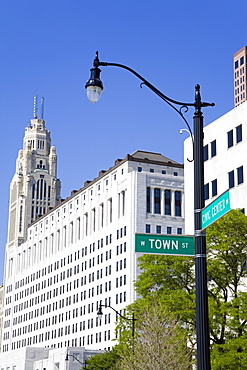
100	314
75	358
94	88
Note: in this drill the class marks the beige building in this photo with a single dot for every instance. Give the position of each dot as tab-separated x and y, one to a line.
34	188
239	66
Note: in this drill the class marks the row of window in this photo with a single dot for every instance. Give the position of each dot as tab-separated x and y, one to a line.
240	177
47	283
154	203
239	62
238	137
158	229
230	142
175	173
81	341
231	182
43	249
213	150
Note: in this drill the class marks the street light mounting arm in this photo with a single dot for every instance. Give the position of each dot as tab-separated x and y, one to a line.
75	358
98	63
94	88
118	313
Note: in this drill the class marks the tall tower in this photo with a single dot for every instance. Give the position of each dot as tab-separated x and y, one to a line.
240	76
35	187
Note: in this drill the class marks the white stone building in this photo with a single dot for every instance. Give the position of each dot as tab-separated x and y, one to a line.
225	147
40	358
82	251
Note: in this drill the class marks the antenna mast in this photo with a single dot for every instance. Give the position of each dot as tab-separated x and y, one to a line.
35	107
42	107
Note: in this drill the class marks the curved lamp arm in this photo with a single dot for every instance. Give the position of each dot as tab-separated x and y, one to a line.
67	359
94	88
133	319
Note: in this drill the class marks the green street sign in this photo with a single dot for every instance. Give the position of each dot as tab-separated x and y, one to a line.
178	245
218	208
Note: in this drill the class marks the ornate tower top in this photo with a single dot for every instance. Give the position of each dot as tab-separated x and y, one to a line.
34	188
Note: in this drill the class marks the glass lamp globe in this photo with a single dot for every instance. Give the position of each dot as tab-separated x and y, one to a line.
93	93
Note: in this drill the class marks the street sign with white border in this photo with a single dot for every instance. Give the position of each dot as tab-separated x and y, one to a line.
178	245
218	208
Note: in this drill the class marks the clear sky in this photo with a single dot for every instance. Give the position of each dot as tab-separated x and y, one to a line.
48	46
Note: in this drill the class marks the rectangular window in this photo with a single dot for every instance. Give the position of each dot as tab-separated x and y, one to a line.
236	64
214	188
230	139
148	229
213	148
139	169
205	152
178	208
167	202
231	179
240	173
110	209
148	200
169	230
206	191
179	230
239	133
152	170
102	214
242	60
158	229
157	200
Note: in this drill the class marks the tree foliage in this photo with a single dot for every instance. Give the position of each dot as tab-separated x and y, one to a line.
103	361
171	281
159	343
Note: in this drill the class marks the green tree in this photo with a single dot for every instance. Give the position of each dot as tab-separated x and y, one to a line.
227	272
103	361
159	342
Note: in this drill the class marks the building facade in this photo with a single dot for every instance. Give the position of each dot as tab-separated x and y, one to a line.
81	253
240	74
225	146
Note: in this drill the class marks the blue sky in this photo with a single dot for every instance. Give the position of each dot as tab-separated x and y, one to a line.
47	48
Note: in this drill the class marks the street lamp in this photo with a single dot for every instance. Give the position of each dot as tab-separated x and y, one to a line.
94	88
75	358
100	314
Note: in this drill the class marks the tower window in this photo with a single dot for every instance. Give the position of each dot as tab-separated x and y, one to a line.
148	200
240	173
205	152
239	133
231	179
230	139
178	211
156	200
214	187
213	148
167	202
